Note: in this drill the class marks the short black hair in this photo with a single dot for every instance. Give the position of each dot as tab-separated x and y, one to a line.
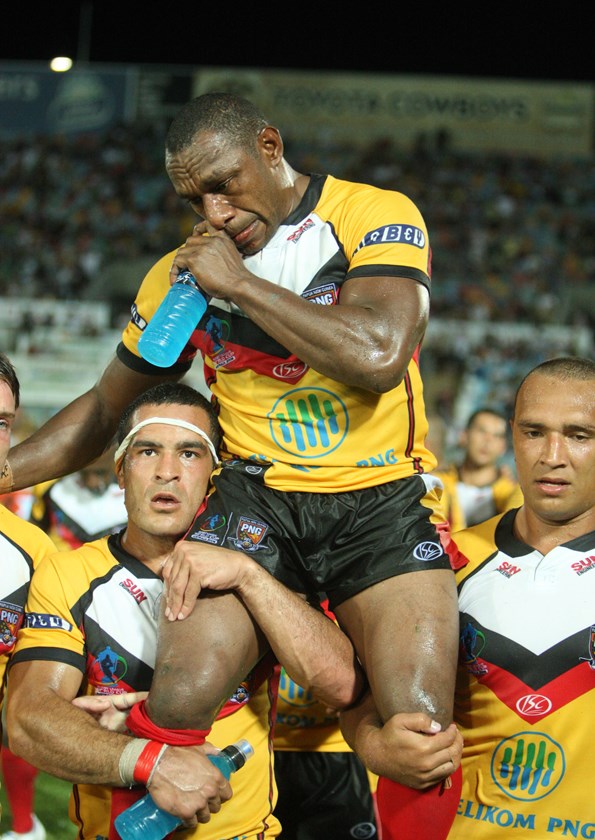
563	368
485	410
9	375
232	116
171	393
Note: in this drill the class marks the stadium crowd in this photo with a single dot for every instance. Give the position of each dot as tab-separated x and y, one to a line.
512	236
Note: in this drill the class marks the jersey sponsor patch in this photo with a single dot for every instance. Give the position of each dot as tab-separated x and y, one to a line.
45	621
533	705
586	564
508	569
324	295
528	765
108	668
298	232
134	589
308	422
399	234
427	551
11	618
249	534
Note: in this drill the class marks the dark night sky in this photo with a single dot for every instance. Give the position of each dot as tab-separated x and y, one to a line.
384	39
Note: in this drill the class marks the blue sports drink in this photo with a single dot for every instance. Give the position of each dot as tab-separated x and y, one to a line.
145	821
170	328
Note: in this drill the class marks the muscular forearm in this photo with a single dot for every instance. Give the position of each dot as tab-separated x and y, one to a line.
66	742
81	431
63	445
352	342
315	653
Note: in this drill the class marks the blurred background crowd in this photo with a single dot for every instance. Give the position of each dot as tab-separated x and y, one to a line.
83	217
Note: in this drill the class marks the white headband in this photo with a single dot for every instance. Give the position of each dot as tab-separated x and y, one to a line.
167	421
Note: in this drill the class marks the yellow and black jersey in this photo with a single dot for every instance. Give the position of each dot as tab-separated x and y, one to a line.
526	685
272	407
303	723
22	547
97	609
502	495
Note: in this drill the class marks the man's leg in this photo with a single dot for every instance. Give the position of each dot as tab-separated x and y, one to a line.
405	630
202	660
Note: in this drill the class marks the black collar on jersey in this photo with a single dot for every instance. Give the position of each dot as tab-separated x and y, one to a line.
511	545
138	569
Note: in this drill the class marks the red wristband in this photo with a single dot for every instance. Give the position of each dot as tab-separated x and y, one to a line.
146	761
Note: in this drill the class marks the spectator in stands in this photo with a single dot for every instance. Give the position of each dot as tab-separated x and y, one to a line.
480	486
81	507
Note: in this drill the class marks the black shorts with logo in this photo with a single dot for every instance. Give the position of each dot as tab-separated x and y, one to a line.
337	543
323	796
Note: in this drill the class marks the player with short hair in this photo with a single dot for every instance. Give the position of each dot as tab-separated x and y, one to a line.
526	683
526	677
91	629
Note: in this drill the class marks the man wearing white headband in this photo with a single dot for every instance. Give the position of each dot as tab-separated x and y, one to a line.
92	630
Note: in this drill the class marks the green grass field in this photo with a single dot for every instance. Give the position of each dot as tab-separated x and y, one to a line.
51	806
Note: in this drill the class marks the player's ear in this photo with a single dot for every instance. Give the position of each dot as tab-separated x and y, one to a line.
270	144
120	472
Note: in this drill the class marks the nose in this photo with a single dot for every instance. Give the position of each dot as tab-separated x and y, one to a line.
217	210
167	467
553	452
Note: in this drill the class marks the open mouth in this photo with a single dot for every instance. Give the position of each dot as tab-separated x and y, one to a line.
165	500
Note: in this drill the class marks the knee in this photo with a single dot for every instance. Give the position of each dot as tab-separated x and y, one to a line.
184	704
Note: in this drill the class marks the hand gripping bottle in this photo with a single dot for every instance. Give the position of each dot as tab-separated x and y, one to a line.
145	821
170	328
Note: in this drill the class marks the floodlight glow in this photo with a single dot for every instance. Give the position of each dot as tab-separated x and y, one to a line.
60	64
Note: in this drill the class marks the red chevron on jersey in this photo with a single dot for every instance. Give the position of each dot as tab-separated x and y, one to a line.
533	704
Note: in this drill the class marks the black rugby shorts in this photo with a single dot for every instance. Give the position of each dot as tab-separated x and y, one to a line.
339	543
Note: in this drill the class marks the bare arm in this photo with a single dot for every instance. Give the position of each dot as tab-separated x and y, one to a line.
316	654
50	732
367	340
80	432
409	748
47	731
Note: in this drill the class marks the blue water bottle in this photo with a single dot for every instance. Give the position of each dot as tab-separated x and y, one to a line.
170	328
146	821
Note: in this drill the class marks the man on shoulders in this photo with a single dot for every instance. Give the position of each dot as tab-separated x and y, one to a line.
319	301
